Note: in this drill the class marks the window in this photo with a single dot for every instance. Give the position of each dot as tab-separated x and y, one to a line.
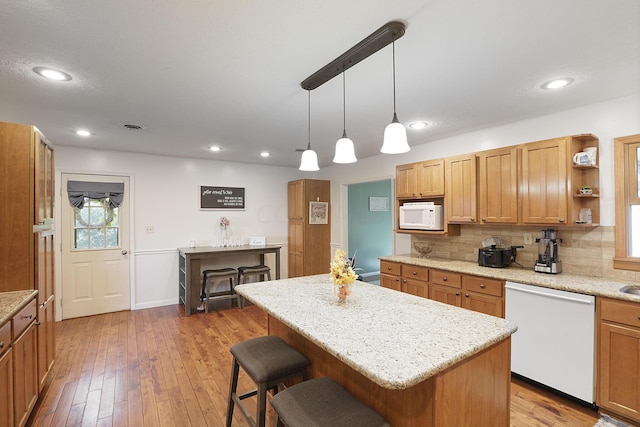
96	225
627	181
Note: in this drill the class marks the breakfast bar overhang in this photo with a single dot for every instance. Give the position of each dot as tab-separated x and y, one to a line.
417	362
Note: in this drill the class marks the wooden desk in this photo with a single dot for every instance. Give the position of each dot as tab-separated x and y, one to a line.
417	362
190	273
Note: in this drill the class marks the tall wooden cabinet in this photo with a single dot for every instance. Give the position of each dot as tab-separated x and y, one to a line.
309	240
27	234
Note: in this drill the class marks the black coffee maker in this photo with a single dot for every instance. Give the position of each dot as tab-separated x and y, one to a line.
548	261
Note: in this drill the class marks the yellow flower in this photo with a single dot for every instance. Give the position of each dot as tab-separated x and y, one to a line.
341	270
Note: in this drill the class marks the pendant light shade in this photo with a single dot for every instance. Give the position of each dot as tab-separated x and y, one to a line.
395	134
309	159
345	152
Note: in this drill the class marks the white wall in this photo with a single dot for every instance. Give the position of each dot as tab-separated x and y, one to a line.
165	189
606	120
165	194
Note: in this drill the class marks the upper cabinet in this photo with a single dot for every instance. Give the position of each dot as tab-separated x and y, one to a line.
551	181
498	186
430	178
461	189
423	180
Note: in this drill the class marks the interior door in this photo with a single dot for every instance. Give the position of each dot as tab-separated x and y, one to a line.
95	252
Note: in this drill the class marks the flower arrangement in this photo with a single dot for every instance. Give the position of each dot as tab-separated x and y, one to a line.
224	222
342	273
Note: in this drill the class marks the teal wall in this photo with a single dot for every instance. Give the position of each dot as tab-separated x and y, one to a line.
370	232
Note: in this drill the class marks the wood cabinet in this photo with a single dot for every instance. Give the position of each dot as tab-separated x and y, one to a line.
390	275
461	189
544	182
422	180
498	186
26	233
462	290
406	181
6	377
308	242
618	372
415	280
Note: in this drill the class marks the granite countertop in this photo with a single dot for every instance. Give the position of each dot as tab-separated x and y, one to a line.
563	281
395	339
12	302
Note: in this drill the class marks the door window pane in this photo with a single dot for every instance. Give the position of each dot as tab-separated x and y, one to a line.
96	225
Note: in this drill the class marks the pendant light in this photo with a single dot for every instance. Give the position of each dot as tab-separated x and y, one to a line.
309	159
344	147
395	134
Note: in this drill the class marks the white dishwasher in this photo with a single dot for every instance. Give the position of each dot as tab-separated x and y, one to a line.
554	344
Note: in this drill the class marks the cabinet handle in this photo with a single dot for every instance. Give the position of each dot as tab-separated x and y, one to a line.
473	219
444	279
1	344
389	268
484	219
404	281
30	316
466	295
560	219
481	285
415	273
457	294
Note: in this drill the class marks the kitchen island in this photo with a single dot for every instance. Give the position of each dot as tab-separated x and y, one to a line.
415	361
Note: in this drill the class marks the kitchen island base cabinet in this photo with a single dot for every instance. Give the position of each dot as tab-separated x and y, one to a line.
475	391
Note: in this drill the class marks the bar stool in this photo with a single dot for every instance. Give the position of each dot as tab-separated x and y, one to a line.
269	361
261	272
321	402
210	278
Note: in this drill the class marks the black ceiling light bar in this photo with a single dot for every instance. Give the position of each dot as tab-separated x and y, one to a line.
383	36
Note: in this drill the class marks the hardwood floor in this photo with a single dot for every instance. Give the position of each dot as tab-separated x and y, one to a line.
155	367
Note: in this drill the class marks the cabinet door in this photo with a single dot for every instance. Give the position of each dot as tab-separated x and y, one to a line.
544	182
482	303
44	183
6	389
391	282
430	178
406	181
619	369
46	340
25	380
415	287
445	294
461	195
498	182
296	200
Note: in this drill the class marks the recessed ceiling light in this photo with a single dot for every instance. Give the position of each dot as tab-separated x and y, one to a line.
52	74
214	148
83	132
557	83
418	125
264	154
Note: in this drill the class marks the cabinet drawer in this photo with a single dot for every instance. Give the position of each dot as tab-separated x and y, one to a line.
24	318
415	272
483	285
390	268
5	336
446	278
627	313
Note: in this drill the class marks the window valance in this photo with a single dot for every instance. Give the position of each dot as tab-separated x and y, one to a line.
78	190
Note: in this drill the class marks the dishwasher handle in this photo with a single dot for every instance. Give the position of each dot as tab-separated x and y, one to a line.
534	292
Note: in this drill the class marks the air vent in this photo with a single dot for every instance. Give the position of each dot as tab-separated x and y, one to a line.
131	126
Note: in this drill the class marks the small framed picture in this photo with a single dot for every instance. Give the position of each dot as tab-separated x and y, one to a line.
378	204
318	212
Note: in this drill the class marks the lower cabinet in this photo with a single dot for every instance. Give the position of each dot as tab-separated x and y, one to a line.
46	340
471	292
6	387
618	372
25	380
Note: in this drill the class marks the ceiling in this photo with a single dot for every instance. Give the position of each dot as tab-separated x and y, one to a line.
228	72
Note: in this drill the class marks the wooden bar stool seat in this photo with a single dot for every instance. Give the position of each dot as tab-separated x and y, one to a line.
210	278
321	402
269	361
260	271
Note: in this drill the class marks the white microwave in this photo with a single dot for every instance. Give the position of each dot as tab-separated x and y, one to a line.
421	216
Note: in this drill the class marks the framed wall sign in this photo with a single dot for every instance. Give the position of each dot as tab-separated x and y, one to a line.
221	197
318	212
380	204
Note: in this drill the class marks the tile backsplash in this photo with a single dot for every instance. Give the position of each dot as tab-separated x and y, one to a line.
587	252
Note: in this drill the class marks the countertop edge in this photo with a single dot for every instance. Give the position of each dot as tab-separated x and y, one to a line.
11	302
